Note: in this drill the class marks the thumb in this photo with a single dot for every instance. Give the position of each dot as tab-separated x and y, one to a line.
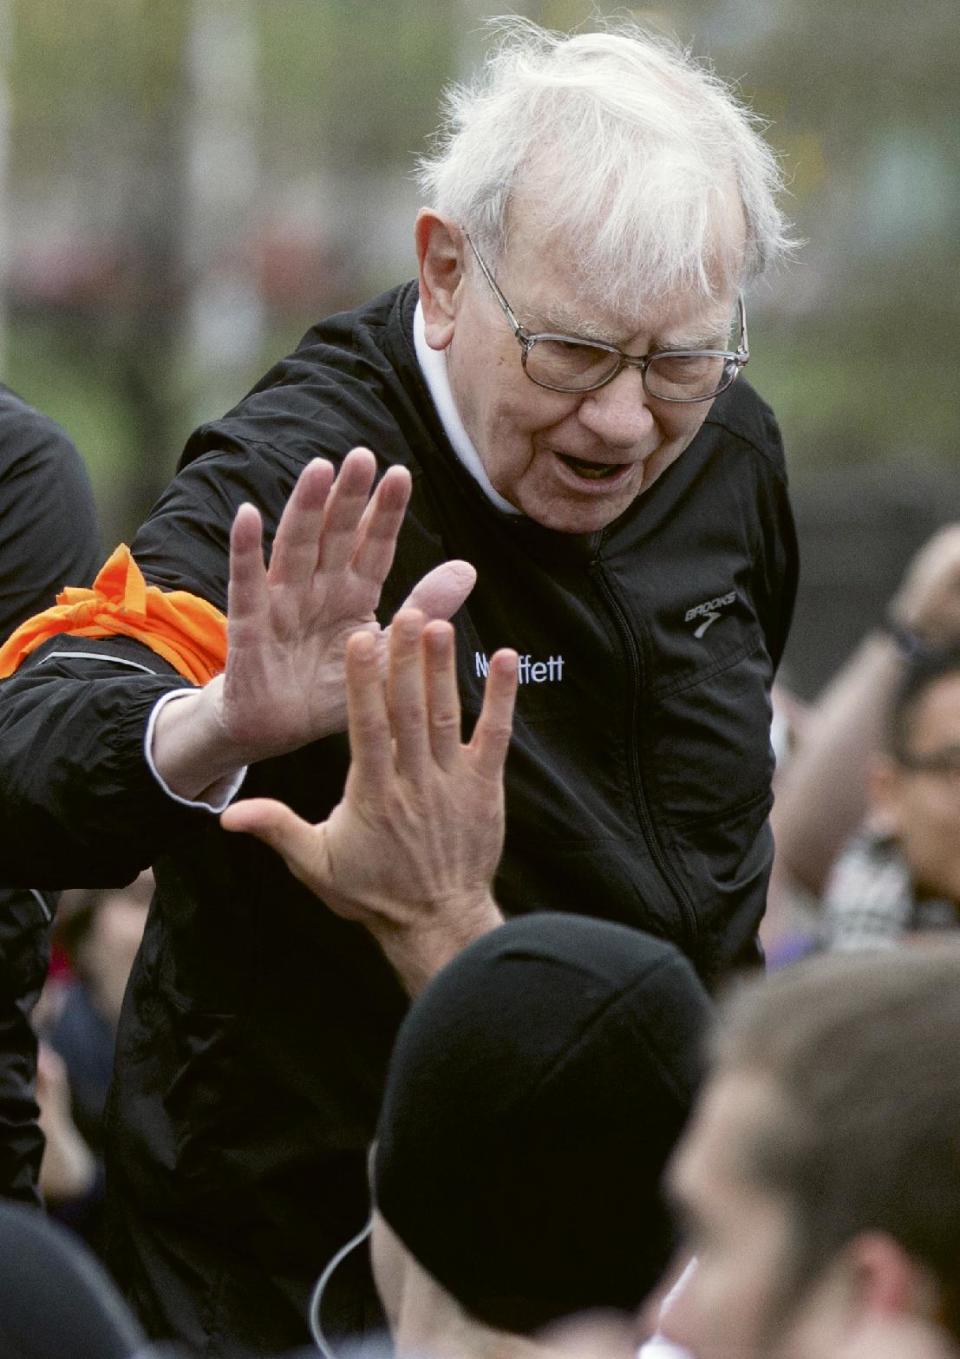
279	827
442	591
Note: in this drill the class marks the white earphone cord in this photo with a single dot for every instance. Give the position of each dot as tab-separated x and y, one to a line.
316	1297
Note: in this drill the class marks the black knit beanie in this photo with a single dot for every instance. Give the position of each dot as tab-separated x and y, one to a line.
536	1090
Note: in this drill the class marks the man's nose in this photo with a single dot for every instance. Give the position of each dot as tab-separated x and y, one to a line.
619	413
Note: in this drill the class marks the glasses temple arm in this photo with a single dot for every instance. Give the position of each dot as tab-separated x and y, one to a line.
505	306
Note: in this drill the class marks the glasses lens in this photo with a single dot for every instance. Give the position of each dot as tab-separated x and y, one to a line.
689	377
568	365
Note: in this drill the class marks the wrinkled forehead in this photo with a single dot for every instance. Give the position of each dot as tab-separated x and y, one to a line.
581	295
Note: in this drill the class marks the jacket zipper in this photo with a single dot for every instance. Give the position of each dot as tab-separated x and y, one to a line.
660	860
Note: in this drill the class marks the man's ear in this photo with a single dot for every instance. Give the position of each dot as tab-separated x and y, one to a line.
887	1282
439	250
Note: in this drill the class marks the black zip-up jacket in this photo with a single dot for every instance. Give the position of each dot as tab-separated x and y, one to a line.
257	1026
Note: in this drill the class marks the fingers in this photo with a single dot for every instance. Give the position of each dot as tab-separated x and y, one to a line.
443	698
294	555
371	748
406	691
442	591
376	535
330	523
247	587
416	713
423	704
491	735
280	828
346	507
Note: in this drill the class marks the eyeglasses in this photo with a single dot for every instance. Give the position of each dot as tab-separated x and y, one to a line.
566	363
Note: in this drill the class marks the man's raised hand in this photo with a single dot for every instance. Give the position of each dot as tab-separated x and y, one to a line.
411	850
288	623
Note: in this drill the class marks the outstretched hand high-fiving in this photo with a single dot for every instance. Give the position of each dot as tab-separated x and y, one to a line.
411	850
288	623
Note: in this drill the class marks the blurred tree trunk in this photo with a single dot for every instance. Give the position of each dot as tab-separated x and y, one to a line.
225	312
190	316
6	62
150	319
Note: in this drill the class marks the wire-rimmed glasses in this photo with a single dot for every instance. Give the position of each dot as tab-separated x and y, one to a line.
568	363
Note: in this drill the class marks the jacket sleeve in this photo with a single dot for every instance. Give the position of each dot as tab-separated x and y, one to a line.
24	952
48	537
79	803
48	528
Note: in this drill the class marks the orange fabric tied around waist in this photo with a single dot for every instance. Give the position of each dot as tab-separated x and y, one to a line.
182	628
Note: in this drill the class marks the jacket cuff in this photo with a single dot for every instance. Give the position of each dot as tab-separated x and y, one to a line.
214	798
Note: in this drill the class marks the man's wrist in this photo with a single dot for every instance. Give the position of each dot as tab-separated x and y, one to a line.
187	747
418	949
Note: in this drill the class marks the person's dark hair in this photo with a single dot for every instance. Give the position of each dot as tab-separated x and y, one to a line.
863	1054
921	673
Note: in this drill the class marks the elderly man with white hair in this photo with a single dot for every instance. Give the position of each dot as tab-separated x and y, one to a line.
551	411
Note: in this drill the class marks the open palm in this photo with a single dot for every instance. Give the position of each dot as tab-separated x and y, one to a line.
289	624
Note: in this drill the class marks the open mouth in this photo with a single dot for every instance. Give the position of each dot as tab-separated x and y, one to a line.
592	471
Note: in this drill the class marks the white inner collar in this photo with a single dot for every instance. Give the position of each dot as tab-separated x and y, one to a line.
433	364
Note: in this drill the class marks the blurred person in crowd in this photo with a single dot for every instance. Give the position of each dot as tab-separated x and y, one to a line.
100	932
554	400
822	791
536	1089
819	1181
901	873
48	536
788	930
56	1299
71	1180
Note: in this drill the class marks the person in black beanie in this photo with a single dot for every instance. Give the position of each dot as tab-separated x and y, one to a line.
536	1091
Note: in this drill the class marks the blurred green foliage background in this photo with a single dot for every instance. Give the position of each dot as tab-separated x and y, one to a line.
187	184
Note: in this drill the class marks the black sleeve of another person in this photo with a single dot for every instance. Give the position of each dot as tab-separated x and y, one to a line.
48	526
48	539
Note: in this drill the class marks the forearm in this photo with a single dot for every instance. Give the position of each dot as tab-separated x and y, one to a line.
821	798
68	1169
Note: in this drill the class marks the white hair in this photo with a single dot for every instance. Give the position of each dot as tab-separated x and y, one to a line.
631	149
